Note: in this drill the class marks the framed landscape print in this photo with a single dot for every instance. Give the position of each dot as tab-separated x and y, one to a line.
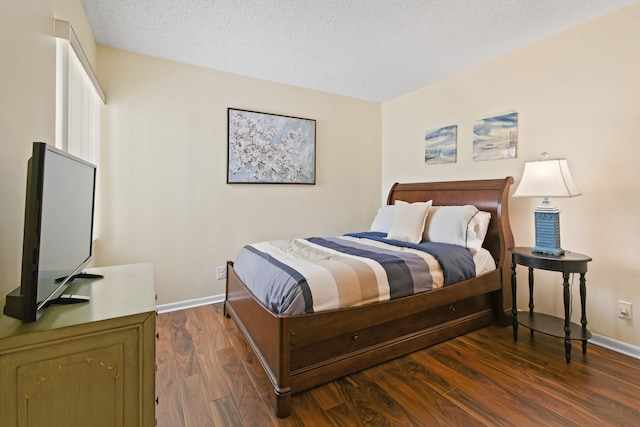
495	137
270	148
440	145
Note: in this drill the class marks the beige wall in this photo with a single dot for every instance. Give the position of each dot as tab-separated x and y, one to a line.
576	95
164	156
27	107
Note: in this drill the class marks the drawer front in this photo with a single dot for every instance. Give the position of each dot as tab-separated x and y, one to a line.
359	339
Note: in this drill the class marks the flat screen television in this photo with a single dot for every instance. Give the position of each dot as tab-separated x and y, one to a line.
58	230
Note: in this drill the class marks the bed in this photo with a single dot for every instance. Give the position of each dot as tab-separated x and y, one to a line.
301	351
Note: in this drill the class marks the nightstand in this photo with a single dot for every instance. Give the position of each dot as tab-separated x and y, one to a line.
568	263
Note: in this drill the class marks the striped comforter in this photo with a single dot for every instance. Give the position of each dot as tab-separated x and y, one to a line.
316	274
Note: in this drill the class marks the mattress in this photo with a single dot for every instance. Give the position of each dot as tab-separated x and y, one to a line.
316	274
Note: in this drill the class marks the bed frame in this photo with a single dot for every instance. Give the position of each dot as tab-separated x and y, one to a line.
298	352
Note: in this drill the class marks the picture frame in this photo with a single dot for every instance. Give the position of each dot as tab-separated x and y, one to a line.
496	138
264	148
441	145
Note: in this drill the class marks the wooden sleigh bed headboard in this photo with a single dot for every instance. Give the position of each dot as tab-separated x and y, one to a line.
298	352
487	195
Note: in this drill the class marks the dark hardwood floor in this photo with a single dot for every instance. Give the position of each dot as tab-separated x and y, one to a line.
208	376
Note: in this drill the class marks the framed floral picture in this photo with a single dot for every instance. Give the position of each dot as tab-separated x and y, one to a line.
270	148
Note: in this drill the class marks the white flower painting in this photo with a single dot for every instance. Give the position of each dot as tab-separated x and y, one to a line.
440	145
269	148
495	138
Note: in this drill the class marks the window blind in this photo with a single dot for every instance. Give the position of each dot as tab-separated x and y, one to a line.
78	98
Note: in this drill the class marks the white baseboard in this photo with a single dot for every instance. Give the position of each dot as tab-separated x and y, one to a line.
602	341
182	305
617	346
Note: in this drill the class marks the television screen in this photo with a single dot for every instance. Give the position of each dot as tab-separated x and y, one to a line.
58	228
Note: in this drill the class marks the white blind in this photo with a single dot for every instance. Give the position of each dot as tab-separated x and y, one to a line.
77	106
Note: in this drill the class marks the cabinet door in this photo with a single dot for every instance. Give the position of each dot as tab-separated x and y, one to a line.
84	388
92	380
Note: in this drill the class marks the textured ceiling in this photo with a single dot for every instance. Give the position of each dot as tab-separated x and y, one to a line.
374	50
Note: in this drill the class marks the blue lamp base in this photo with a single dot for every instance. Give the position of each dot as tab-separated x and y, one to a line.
547	232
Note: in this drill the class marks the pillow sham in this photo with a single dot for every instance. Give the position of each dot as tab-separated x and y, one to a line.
477	229
384	219
409	221
458	225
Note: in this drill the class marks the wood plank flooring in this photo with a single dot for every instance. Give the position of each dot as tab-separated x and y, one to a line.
208	376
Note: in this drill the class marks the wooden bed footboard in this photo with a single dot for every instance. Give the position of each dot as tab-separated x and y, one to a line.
266	334
302	351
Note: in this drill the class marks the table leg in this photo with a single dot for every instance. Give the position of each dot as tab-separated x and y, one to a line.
531	305
583	319
567	318
514	308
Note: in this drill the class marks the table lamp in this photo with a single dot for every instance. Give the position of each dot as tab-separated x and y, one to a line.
547	178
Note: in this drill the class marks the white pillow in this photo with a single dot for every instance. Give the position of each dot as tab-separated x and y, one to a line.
458	225
477	229
409	221
384	219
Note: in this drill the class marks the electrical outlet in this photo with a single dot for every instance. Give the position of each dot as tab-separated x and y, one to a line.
624	310
221	272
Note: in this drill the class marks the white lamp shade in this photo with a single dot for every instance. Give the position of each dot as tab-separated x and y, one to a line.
547	178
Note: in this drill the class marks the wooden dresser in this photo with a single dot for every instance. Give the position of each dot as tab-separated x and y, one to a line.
84	364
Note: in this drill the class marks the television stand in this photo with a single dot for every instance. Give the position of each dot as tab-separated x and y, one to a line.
84	364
